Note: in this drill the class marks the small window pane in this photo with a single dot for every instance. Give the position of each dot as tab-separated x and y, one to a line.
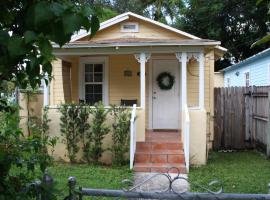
89	89
89	99
98	68
88	77
88	67
97	77
98	89
97	97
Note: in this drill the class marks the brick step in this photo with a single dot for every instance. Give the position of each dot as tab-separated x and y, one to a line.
159	167
171	152
158	146
159	158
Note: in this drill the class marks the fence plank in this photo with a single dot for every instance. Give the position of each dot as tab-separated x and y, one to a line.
241	117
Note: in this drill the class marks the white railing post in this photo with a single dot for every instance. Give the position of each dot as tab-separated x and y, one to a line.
186	136
133	136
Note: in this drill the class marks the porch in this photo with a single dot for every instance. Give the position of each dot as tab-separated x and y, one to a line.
132	77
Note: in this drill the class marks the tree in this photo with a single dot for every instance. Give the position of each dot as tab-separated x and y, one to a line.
27	29
159	9
237	24
266	38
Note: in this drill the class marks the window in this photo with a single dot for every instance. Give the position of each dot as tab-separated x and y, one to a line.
93	80
130	27
247	79
228	82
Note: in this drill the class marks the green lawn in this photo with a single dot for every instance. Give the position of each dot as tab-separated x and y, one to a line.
239	172
89	176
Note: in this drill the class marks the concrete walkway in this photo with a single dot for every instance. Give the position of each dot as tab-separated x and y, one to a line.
154	182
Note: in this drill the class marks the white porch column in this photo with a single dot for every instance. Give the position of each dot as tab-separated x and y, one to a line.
45	92
182	57
142	58
201	80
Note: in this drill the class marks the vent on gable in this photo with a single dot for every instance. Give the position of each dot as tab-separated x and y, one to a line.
131	27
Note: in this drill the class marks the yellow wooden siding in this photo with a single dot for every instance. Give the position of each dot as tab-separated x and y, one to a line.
120	86
146	30
193	83
56	85
66	73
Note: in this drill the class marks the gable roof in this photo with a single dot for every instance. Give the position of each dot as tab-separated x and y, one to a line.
251	59
125	16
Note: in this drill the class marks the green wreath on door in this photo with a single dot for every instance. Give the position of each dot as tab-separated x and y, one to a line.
165	81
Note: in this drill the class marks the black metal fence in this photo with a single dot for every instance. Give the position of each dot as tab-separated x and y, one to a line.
134	192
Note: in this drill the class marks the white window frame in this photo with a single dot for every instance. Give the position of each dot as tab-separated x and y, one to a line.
130	30
228	80
245	80
94	60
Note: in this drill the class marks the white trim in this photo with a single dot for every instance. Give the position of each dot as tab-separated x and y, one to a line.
126	16
123	50
105	88
150	93
46	95
136	24
268	77
184	78
184	43
221	48
201	80
142	79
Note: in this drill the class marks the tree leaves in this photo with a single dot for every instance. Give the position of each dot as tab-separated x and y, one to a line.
27	30
16	46
261	41
95	25
72	22
29	36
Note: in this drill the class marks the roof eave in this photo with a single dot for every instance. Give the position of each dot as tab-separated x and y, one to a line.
70	46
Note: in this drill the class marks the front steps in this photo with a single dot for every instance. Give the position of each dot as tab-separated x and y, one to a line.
160	152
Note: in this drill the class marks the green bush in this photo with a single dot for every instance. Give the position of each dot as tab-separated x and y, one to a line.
84	130
120	136
70	129
76	127
98	131
24	155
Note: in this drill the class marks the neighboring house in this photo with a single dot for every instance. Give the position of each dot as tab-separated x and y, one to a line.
254	70
121	64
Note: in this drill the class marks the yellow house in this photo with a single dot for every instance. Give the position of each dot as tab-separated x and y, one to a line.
173	126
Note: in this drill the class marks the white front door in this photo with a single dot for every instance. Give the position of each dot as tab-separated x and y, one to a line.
166	102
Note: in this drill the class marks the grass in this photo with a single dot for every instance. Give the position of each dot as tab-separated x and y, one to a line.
239	172
89	176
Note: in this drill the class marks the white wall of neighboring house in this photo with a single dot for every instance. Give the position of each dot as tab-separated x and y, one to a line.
259	73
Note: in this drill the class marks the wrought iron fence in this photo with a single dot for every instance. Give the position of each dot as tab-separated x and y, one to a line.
135	191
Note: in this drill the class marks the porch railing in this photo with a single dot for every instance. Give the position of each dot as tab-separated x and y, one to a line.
133	135
185	136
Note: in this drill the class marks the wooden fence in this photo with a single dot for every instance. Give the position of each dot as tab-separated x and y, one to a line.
241	117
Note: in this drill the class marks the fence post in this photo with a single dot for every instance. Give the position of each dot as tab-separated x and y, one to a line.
72	185
268	129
